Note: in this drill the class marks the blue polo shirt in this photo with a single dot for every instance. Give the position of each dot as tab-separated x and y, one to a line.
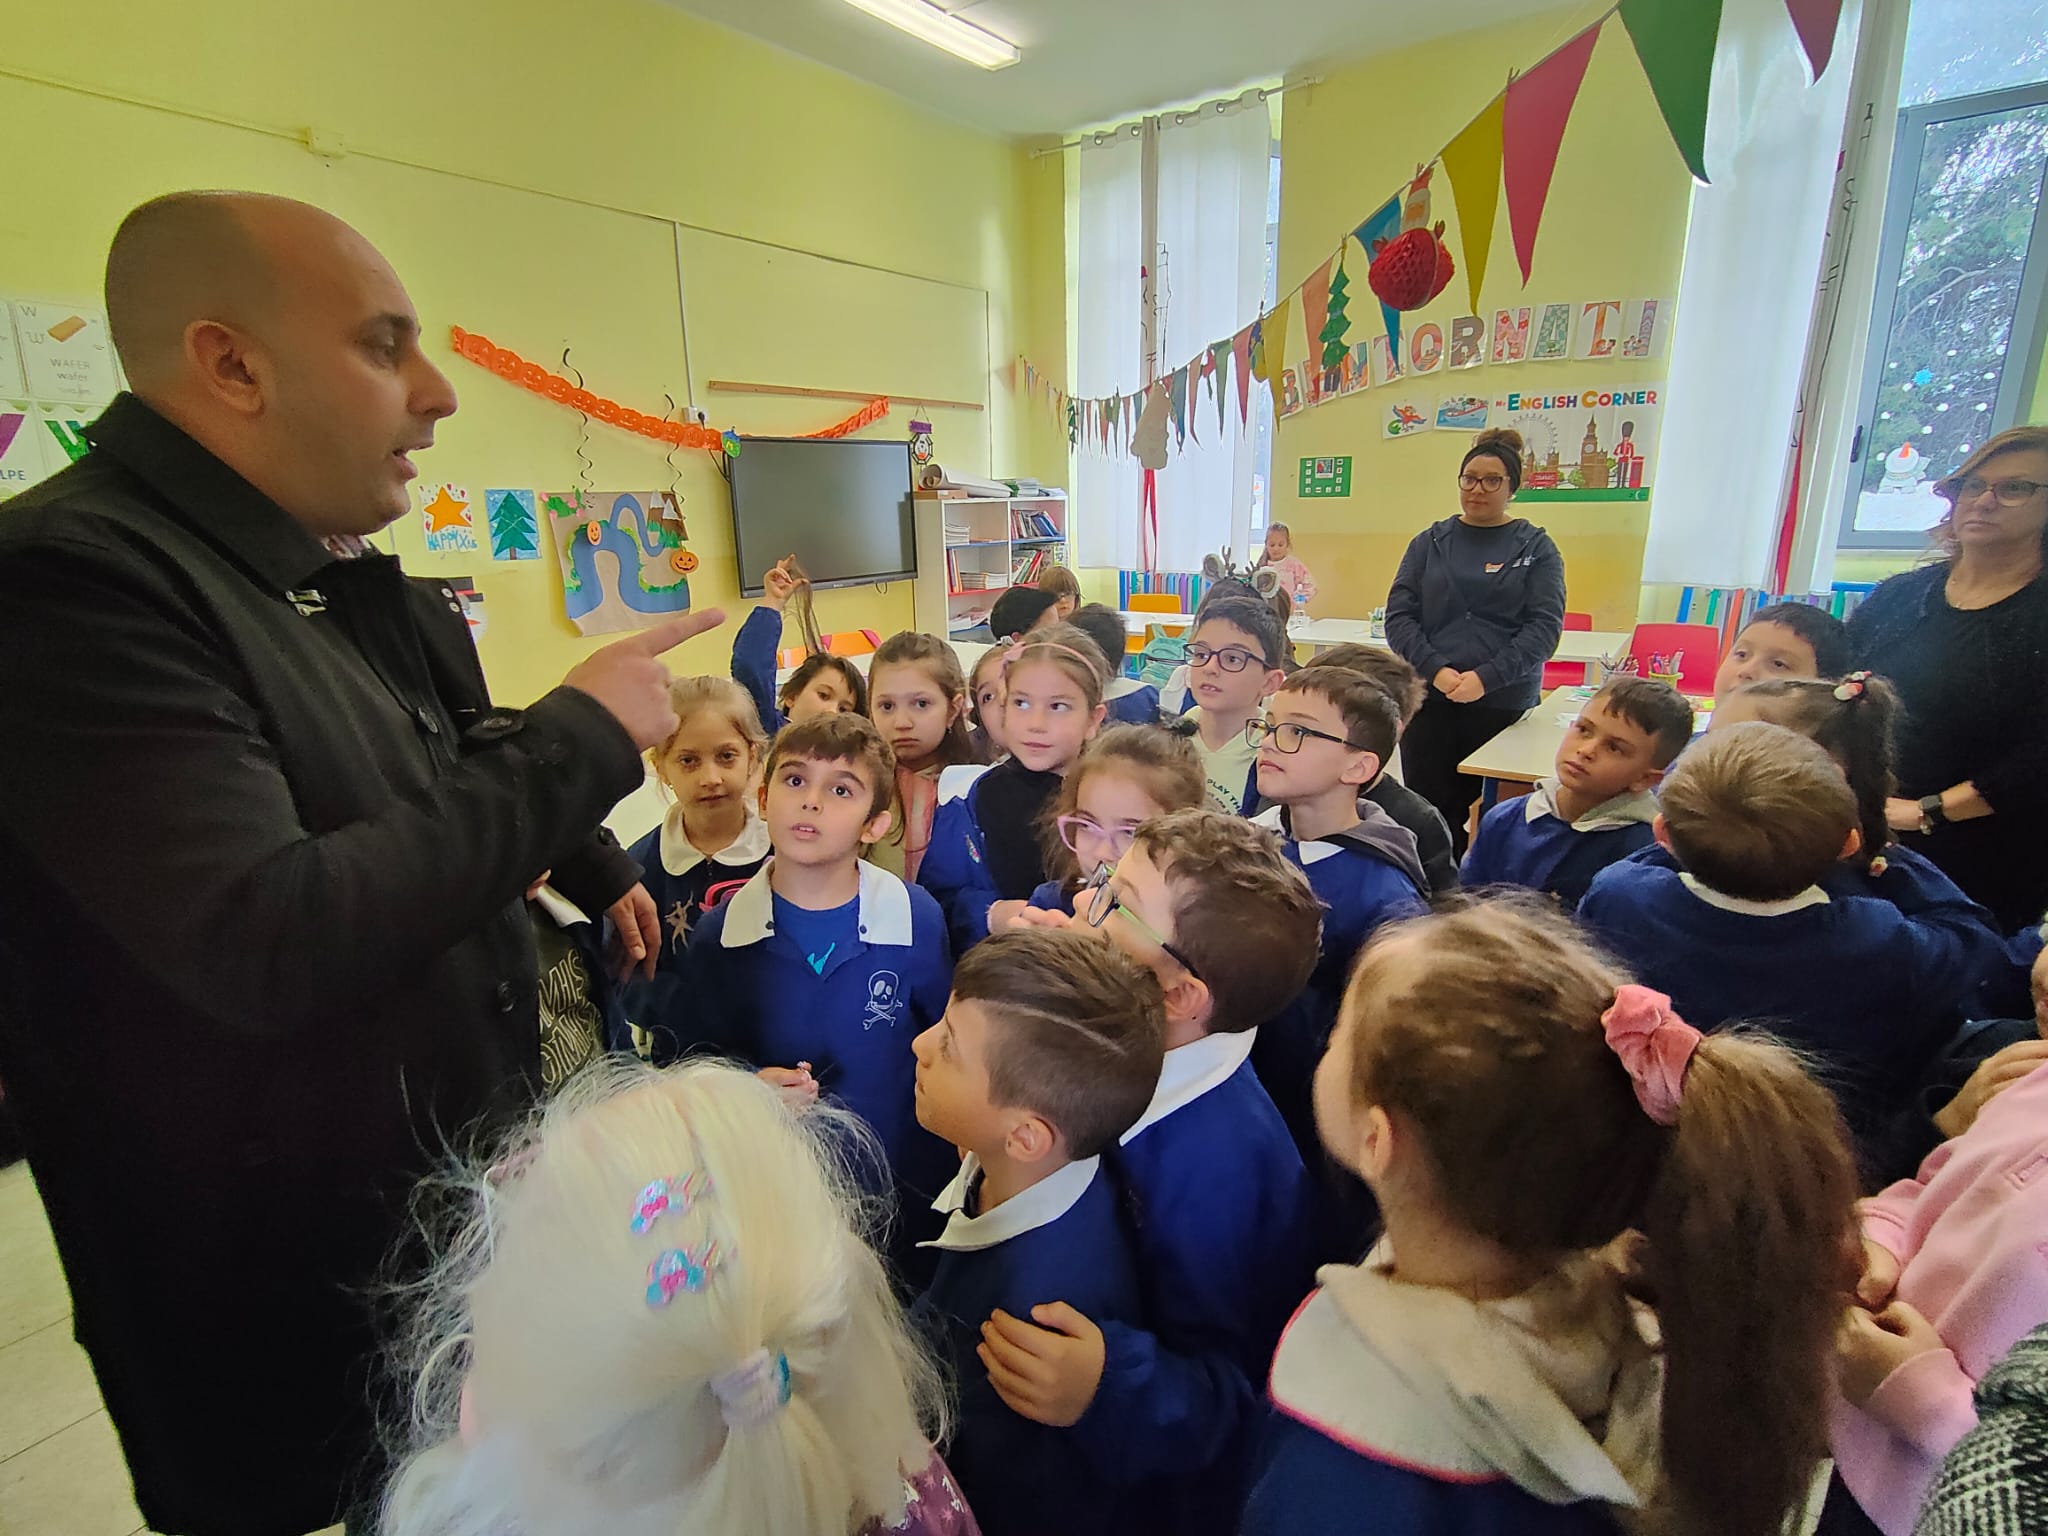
1063	1239
1525	842
852	1017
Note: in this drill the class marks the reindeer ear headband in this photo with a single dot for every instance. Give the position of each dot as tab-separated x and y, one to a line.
1852	686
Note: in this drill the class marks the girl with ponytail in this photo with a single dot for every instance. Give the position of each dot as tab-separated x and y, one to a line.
655	1314
1517	1106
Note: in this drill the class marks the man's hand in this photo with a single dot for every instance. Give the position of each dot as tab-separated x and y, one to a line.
1995	1073
1047	1373
1870	1346
1469	689
627	677
798	1088
1879	1279
636	934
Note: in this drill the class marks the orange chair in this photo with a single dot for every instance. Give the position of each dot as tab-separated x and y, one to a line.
849	642
1567	674
1700	643
1156	602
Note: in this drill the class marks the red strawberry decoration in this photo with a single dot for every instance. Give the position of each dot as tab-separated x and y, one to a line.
1415	266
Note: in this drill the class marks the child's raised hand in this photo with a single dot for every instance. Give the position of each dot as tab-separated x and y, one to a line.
1880	1276
778	584
1871	1345
1046	1370
798	1088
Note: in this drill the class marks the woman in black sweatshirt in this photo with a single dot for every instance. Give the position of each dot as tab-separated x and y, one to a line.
1476	609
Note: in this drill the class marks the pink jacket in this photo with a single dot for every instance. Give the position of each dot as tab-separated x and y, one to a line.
1971	1237
1295	580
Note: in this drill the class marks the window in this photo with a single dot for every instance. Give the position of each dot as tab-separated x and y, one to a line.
1958	333
1262	402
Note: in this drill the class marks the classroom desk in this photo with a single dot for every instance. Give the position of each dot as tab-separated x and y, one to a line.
1574	645
1526	750
969	652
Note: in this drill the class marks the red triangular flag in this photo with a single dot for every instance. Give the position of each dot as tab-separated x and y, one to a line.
1241	351
1539	104
1315	305
1815	22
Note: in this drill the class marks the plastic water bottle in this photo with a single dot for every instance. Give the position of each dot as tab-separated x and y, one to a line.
1300	606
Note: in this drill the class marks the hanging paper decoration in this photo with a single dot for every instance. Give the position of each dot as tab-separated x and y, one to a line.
1415	266
1149	443
1241	354
1815	22
1675	41
510	366
1533	116
514	525
1315	302
1177	385
1374	234
1472	161
920	442
1336	324
866	416
1219	375
1269	346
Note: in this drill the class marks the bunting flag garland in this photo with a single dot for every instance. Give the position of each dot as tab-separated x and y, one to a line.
1336	326
1219	375
1375	232
1472	161
1533	115
1674	39
1815	22
1269	349
1178	384
1315	302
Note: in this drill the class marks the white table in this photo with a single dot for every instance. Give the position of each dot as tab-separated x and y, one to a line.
1527	750
1574	645
969	652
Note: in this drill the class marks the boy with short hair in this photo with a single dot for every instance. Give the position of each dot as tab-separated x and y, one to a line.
1325	736
1402	684
1785	640
1048	1052
1596	809
1234	657
1020	610
1130	701
1213	907
822	968
1756	816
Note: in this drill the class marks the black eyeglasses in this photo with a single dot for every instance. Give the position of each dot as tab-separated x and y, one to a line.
1232	658
2010	493
1288	737
1098	898
1482	482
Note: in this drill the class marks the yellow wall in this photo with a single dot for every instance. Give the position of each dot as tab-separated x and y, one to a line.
521	161
1614	228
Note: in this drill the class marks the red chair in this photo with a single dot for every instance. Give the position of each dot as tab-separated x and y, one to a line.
1567	674
1700	643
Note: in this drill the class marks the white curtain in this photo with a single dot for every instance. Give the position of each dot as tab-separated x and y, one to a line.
1213	174
1746	299
1107	360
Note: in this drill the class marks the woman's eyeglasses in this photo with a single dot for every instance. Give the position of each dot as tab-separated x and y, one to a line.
1232	658
2010	493
1288	737
1072	827
1488	483
1098	898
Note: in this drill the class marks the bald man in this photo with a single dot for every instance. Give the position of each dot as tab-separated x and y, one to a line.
263	954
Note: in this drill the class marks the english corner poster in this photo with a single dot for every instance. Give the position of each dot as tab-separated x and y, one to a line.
1586	445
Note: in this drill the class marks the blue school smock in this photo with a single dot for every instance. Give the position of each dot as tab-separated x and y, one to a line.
1525	842
1873	985
685	885
1224	1220
960	867
754	650
853	1020
1131	702
1063	1239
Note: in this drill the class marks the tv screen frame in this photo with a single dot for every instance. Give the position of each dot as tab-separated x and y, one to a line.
750	580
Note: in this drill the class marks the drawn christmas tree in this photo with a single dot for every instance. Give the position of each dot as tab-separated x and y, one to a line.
514	535
1336	326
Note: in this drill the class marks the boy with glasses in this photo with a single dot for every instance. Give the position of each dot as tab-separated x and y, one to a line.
1225	1208
1234	661
1324	737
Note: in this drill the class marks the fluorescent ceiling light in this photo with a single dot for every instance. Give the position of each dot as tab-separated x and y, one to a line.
927	22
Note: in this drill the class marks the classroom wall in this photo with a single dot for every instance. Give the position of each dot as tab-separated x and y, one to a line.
1614	228
524	164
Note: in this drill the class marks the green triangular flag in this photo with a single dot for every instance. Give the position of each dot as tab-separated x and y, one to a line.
1336	326
1675	40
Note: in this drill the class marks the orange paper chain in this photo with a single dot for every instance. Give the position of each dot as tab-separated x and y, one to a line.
866	416
510	366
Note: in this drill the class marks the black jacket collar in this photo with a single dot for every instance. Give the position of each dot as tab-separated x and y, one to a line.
203	491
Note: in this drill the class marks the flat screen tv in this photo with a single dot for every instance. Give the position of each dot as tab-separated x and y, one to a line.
842	507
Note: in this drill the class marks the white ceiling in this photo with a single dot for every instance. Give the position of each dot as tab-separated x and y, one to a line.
1089	62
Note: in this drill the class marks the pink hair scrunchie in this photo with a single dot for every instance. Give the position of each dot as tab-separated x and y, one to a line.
1655	1046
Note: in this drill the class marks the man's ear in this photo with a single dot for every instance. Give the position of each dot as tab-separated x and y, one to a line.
219	356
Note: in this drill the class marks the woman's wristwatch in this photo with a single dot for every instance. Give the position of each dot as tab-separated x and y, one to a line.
1932	813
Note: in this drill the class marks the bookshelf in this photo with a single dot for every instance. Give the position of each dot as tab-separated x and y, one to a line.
972	549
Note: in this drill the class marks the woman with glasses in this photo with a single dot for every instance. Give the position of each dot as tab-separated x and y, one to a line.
1965	642
1476	609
